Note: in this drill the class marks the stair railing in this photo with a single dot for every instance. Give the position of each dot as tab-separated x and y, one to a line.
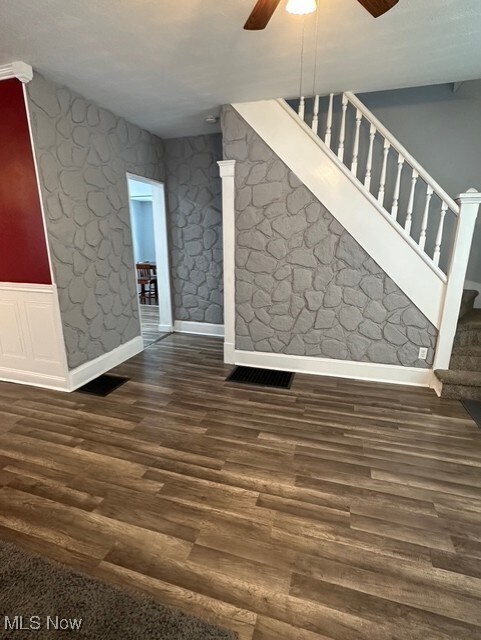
424	191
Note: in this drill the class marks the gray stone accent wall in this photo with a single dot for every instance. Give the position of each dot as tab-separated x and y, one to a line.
194	200
83	154
304	286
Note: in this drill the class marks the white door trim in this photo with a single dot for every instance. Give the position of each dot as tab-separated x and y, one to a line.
227	173
166	320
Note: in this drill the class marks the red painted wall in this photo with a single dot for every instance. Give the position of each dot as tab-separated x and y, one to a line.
23	247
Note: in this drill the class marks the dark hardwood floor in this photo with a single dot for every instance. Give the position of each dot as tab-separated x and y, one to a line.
149	318
336	510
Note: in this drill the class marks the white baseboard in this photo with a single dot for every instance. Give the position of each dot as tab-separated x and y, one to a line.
165	328
337	368
200	328
436	384
90	370
32	379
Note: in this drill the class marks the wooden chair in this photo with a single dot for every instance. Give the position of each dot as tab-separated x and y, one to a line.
147	281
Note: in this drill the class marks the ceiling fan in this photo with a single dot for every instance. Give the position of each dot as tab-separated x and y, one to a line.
264	10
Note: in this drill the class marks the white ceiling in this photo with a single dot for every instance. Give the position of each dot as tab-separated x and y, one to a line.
165	64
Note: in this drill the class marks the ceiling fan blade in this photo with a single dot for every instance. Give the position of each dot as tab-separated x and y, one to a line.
261	14
378	7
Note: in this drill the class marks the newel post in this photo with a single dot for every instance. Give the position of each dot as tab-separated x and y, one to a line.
227	173
469	204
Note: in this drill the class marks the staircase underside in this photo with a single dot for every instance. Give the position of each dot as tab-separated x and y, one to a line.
462	381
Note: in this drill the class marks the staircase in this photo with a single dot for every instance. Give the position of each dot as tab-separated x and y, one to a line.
462	380
418	234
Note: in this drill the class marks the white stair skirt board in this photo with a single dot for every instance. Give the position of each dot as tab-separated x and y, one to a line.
349	202
368	371
95	368
200	328
32	348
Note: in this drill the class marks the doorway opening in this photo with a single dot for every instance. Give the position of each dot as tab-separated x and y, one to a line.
151	256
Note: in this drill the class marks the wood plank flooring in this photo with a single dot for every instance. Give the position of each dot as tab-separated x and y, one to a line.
336	510
149	319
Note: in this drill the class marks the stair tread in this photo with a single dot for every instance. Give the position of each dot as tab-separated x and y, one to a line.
472	320
469	294
459	377
468	350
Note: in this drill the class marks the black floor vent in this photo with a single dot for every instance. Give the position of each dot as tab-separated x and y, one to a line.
103	385
474	410
261	377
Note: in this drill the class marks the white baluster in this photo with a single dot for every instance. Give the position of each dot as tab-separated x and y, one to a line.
315	119
469	204
302	107
355	154
397	188
342	134
367	179
439	237
409	217
382	184
424	224
329	121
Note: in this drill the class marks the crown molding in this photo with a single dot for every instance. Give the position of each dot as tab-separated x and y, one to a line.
17	69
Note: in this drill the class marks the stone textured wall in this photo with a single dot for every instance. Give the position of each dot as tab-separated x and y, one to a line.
83	154
304	286
194	201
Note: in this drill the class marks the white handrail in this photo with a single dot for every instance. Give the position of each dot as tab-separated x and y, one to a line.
372	199
437	189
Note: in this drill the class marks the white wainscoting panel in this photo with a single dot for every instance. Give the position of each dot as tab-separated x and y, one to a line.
31	342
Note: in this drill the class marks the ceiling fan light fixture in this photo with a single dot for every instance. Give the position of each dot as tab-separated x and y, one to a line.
301	7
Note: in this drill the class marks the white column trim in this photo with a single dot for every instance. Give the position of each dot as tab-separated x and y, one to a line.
469	205
227	173
17	69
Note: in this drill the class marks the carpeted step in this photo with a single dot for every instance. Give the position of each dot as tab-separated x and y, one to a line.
467	301
468	332
470	321
460	384
466	358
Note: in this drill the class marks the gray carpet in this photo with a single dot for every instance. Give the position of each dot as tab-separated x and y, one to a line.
33	586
